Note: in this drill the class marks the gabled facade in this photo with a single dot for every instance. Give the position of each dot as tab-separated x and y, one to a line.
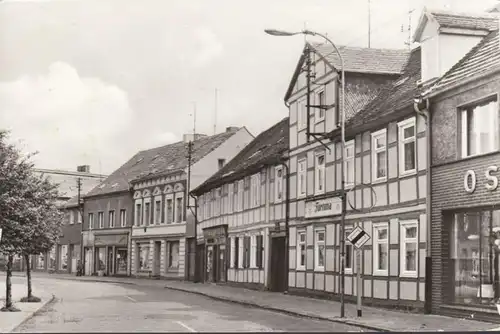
163	225
464	112
385	175
241	215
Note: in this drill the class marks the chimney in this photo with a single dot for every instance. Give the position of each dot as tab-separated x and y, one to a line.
192	137
232	129
83	169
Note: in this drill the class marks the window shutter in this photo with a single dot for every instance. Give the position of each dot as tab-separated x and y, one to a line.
259	251
236	252
248	248
229	250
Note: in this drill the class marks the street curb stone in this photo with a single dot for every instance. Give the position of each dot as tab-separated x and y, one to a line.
293	313
34	313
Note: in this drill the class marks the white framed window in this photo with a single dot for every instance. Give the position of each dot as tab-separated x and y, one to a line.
111	220
278	182
349	163
71	214
78	216
91	221
241	194
380	249
253	251
179	207
158	209
407	146
349	253
379	155
147	213
230	201
100	219
480	130
138	213
241	249
409	248
301	177
321	101
123	217
319	250
255	192
301	250
319	173
233	252
301	114
169	208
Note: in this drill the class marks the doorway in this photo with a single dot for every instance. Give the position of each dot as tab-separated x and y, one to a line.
88	262
279	270
157	261
109	269
200	263
221	263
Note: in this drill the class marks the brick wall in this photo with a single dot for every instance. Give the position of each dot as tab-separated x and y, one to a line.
448	175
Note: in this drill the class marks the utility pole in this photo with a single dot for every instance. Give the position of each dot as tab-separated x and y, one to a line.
188	196
80	211
308	98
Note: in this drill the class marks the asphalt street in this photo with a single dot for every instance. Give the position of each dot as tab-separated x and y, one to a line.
98	307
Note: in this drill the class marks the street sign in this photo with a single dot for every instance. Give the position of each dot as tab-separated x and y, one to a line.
358	237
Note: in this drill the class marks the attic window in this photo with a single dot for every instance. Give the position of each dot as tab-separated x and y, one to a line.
401	81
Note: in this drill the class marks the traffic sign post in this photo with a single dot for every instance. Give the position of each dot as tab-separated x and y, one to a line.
358	237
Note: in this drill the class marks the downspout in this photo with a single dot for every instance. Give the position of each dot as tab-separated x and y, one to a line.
287	218
421	106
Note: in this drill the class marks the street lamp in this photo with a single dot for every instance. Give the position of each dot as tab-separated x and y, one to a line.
281	33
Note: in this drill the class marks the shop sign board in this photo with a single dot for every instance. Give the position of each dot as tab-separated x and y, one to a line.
470	180
324	207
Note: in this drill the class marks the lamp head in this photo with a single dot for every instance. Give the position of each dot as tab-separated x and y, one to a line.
275	32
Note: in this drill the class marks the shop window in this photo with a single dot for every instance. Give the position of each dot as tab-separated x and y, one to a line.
407	147
409	248
63	257
301	177
379	155
144	257
349	163
121	261
474	256
173	255
319	172
480	128
100	258
381	249
319	250
301	250
349	253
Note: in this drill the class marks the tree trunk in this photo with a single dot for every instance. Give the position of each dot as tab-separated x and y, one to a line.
28	275
8	282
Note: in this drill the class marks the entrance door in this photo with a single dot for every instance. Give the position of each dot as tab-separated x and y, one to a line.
221	264
109	269
200	263
279	270
157	258
210	264
88	262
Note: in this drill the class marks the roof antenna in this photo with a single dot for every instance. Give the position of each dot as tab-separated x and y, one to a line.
215	113
408	42
369	24
305	35
194	119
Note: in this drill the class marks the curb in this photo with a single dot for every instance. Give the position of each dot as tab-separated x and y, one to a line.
34	313
278	310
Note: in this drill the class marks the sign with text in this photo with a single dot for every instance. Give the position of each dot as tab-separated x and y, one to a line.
324	207
470	179
358	237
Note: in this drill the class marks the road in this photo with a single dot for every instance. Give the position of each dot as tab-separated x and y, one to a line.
94	306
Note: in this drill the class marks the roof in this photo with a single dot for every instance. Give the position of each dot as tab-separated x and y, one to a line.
67	181
356	59
448	19
264	150
392	97
479	60
160	160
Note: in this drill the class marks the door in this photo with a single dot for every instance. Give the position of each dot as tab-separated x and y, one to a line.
209	266
109	269
88	262
279	270
221	264
157	258
200	263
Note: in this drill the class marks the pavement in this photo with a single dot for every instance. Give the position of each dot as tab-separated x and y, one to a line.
373	319
9	321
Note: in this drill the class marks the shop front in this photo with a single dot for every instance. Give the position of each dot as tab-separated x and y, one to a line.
216	253
465	232
111	254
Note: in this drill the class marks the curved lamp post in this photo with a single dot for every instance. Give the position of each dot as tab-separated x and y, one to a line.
281	33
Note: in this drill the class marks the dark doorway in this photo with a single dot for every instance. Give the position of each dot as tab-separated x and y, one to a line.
109	269
279	270
221	263
200	263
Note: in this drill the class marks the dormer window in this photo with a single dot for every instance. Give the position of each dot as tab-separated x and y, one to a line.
221	163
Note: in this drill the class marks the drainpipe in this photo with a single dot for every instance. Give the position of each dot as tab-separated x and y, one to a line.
287	218
421	106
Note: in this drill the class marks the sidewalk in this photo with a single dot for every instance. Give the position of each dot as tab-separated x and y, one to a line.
372	319
9	321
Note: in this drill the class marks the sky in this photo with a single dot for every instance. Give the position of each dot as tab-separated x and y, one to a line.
95	81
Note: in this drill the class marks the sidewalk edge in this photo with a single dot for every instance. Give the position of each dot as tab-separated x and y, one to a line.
34	313
292	313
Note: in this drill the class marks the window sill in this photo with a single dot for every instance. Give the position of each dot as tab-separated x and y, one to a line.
379	180
319	269
319	120
380	273
408	173
348	271
300	269
318	193
409	274
348	185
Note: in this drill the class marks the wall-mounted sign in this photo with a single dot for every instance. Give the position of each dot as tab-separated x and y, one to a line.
324	207
470	180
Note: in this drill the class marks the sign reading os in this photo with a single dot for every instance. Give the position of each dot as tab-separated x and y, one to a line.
470	180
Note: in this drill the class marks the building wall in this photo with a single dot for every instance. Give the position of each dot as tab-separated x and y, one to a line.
105	203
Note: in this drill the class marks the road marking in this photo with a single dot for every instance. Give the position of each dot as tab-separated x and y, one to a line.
132	299
186	326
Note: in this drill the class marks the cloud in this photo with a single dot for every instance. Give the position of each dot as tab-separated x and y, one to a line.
68	119
211	47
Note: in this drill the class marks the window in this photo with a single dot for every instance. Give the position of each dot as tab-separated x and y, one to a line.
241	191
147	213
379	155
78	216
409	248
170	210
157	212
100	219
480	128
236	199
407	146
301	177
319	250
221	163
63	257
138	214
380	248
279	184
301	250
322	102
232	252
91	221
349	163
173	254
255	190
320	173
111	218
260	251
144	256
349	253
241	252
123	217
301	115
236	257
253	251
179	209
71	217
